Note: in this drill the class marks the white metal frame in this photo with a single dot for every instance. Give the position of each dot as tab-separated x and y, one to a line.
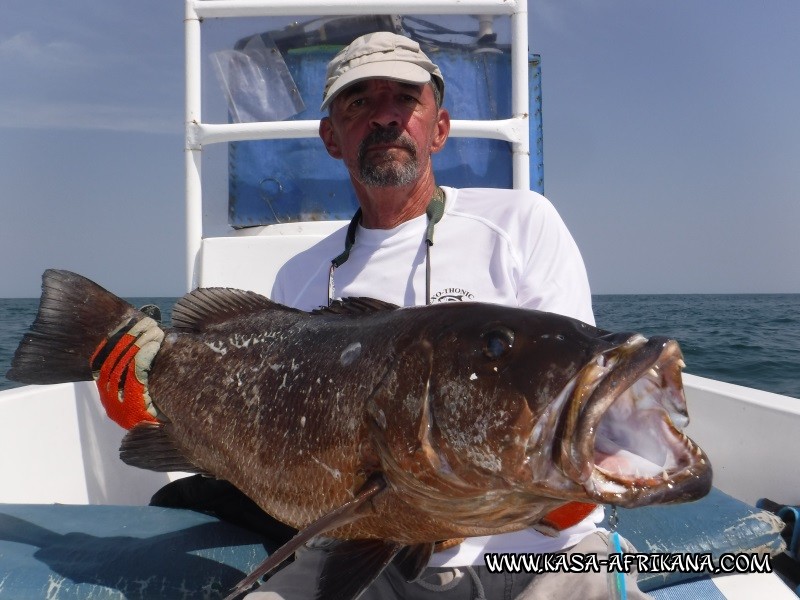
513	130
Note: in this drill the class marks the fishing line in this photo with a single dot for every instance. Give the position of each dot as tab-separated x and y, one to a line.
616	579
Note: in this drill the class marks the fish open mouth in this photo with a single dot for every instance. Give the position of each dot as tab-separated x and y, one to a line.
622	436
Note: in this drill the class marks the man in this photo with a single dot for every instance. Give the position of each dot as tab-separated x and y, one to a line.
502	246
385	122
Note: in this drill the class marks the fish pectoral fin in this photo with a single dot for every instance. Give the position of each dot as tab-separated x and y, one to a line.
352	565
149	446
347	513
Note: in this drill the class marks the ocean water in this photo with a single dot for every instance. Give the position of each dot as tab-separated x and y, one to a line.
747	339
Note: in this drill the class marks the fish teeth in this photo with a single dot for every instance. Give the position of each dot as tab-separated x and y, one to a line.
681	364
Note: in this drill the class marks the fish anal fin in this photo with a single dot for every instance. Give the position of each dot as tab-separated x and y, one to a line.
204	307
149	446
347	513
411	561
352	565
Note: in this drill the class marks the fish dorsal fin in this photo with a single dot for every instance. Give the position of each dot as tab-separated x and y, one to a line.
206	306
149	446
354	306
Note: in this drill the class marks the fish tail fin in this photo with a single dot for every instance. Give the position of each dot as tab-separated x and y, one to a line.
84	332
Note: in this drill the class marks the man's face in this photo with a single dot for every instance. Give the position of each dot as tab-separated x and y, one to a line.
385	131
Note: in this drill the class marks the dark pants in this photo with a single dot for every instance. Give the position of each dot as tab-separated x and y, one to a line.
298	581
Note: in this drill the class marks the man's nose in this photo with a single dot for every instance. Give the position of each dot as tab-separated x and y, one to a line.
385	113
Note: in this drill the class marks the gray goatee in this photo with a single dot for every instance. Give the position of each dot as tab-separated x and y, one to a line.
378	170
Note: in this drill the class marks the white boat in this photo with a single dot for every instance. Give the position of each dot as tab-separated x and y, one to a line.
71	458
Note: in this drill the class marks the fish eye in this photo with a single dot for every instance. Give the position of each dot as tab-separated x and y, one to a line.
497	342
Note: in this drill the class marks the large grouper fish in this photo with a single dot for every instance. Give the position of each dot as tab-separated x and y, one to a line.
389	428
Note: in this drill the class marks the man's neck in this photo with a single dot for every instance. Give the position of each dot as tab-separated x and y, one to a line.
388	207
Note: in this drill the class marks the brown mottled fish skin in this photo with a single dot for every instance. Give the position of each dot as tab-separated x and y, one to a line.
481	418
298	409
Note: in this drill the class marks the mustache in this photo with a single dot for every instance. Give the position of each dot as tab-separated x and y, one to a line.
386	135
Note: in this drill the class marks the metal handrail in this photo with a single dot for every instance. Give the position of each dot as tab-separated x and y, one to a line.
272	8
508	130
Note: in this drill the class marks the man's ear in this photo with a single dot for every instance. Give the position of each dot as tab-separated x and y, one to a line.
328	138
442	131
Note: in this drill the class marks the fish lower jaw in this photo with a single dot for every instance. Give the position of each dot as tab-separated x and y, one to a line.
634	452
670	486
656	462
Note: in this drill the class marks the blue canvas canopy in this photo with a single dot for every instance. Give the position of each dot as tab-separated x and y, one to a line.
277	181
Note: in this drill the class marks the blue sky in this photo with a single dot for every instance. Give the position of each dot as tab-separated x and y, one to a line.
672	142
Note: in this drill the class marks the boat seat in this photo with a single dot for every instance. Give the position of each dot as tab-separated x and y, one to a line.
146	552
120	552
717	524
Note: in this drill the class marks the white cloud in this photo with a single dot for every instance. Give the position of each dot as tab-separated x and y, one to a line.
557	15
64	85
76	115
24	50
